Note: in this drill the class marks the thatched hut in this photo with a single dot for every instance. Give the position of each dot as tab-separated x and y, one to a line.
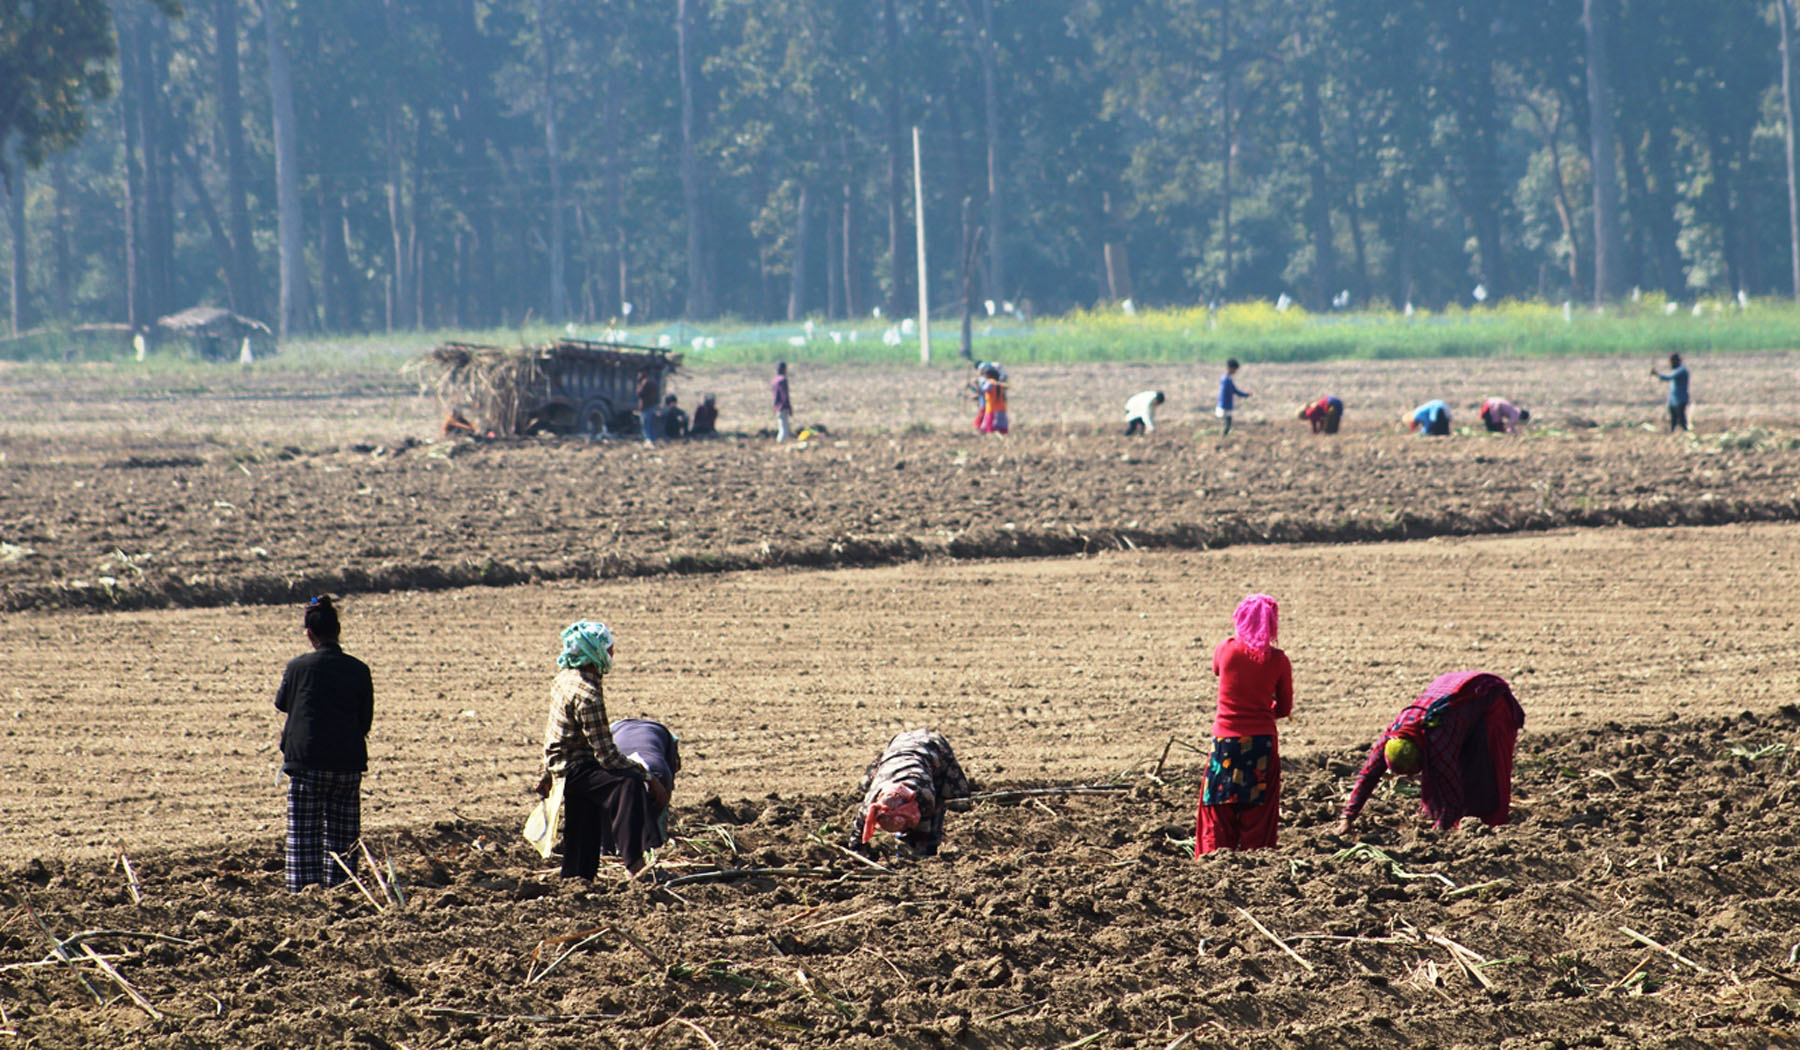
571	386
215	334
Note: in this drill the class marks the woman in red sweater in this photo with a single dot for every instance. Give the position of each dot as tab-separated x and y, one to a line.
1240	799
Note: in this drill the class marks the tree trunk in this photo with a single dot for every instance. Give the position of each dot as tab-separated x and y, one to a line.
190	166
990	100
834	268
1551	130
1475	148
1784	13
129	93
330	309
1402	265
18	292
159	240
559	302
398	282
699	287
612	217
242	278
1353	211
1225	133
971	247
847	235
1609	282
400	277
339	264
896	166
1665	231
418	229
1318	212
63	279
1750	228
847	238
1118	260
1717	195
796	304
293	317
475	283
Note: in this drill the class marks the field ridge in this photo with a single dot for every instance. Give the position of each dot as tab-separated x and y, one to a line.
154	590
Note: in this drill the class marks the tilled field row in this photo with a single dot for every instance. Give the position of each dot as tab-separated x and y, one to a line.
1642	897
158	725
204	531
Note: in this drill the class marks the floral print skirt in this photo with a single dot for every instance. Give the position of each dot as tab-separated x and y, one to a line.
1239	772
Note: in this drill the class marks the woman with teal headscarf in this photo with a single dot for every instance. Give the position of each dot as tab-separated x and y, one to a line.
609	801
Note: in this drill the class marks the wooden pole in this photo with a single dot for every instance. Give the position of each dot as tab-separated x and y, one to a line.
919	230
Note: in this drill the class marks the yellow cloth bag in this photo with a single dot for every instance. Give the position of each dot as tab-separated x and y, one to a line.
543	828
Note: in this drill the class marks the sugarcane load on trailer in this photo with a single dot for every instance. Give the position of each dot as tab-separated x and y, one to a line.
571	386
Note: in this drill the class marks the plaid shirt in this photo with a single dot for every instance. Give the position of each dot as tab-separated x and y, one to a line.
578	726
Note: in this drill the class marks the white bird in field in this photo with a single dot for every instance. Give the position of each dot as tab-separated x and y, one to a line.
1480	293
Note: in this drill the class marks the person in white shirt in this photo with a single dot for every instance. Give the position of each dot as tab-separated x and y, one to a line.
1139	412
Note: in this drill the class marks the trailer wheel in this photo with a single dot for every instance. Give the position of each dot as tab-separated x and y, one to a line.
555	417
595	417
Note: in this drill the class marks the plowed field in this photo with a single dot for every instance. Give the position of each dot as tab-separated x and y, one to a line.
1658	668
143	498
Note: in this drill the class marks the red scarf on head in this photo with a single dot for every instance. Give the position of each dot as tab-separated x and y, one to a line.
895	809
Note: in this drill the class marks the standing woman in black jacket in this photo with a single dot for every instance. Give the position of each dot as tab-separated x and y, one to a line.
330	702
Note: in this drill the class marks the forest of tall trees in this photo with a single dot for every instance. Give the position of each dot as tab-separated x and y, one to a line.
346	165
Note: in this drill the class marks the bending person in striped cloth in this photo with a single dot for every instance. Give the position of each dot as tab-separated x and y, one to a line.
906	789
1458	739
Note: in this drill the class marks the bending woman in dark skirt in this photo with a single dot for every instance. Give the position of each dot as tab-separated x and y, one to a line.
609	801
1458	738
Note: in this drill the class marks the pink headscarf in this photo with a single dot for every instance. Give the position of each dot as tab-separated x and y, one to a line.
1257	625
896	809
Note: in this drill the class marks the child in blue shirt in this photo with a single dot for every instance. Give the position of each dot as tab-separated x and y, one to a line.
1229	392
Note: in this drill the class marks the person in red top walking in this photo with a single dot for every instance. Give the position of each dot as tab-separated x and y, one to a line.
1240	797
